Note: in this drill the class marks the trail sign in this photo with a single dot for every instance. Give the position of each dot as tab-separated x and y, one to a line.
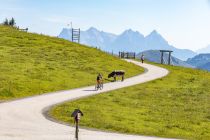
77	116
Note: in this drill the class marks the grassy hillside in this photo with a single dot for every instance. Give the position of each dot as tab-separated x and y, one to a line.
32	64
175	106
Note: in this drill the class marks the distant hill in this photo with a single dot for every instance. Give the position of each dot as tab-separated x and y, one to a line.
205	66
129	40
201	61
155	55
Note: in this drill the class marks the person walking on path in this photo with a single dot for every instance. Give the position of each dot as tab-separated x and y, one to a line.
142	58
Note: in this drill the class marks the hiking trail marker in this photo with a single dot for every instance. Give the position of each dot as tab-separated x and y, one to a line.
77	116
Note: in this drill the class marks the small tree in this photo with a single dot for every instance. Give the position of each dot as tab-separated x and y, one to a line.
12	22
6	22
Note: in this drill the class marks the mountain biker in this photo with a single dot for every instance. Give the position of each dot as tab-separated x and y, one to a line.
99	79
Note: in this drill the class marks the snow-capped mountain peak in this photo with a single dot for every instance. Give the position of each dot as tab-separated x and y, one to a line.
92	29
155	35
132	34
66	34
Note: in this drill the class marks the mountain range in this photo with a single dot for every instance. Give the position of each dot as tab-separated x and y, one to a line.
129	40
201	61
205	66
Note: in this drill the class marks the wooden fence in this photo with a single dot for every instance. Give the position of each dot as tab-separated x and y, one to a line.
127	55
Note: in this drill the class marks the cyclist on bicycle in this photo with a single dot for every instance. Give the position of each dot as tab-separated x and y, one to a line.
99	79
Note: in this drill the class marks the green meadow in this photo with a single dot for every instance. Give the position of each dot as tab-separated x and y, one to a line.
176	106
32	64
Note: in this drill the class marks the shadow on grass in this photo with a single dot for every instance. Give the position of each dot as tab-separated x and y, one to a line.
109	80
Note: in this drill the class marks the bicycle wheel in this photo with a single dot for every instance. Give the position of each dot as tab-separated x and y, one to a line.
101	86
96	87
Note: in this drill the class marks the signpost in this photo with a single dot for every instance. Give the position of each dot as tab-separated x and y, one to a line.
77	116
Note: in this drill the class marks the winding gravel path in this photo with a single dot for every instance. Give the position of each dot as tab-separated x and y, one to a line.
23	119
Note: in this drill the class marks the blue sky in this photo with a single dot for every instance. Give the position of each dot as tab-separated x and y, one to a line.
184	23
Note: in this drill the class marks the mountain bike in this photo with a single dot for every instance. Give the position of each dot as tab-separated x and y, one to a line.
99	86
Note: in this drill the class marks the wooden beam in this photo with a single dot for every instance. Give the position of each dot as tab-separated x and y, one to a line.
169	58
161	57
